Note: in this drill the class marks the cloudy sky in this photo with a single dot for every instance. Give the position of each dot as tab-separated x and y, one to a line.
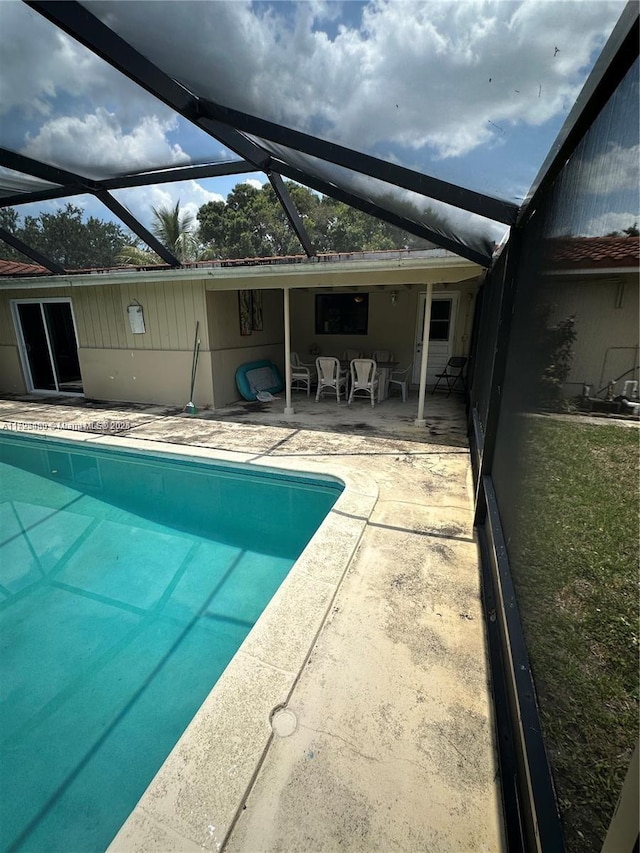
473	91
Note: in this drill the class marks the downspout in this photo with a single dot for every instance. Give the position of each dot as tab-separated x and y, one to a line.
420	420
288	409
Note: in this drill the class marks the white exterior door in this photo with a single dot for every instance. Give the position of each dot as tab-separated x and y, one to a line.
444	309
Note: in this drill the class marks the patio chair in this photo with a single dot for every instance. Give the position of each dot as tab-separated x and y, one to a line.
401	378
302	375
349	354
330	375
453	373
382	355
364	378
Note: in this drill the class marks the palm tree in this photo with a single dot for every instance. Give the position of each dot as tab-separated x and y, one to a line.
176	231
134	255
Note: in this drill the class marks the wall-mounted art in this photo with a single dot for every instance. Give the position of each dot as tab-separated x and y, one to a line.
246	311
256	310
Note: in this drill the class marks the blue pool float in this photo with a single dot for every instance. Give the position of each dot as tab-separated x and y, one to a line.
258	377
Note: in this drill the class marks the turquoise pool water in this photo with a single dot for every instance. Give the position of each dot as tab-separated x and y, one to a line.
127	583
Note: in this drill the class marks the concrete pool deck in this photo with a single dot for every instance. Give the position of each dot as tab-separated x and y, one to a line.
357	715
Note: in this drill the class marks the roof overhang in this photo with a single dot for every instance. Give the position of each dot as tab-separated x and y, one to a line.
439	267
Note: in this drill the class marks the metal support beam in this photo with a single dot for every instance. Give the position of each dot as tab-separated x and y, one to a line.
83	26
17	244
498	368
236	142
615	60
229	127
420	419
214	119
537	808
392	218
131	222
161	176
28	166
508	765
40	195
182	173
288	409
292	214
496	209
79	23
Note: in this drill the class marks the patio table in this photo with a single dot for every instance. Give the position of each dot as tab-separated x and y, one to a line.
385	369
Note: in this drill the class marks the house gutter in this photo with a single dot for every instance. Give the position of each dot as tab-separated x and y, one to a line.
263	277
594	272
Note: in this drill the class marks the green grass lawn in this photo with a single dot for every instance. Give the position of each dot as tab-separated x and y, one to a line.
575	557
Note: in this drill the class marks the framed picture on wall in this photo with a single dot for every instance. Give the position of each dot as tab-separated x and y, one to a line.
246	311
256	310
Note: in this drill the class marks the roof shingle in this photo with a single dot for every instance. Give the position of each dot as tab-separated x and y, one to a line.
594	252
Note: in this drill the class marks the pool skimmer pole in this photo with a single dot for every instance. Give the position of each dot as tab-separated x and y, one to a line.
190	408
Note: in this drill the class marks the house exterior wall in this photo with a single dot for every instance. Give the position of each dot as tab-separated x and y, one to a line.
11	375
116	364
156	366
607	336
230	349
12	378
391	327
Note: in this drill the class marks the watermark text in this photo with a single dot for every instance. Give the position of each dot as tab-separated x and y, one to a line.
87	426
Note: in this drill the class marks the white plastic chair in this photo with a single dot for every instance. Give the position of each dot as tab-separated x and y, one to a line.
330	375
364	378
302	374
401	378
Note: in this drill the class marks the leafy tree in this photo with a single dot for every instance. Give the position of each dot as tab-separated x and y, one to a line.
9	221
351	230
252	223
631	231
64	237
550	357
559	340
212	222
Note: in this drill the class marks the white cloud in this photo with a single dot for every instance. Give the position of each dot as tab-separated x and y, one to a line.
255	183
615	170
39	62
415	73
97	146
42	67
141	200
607	223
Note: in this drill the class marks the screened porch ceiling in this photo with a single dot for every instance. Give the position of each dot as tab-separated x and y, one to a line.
436	117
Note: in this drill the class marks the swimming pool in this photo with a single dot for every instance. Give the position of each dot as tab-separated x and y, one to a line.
127	584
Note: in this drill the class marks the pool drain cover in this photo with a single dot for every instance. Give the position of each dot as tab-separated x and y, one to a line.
284	722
